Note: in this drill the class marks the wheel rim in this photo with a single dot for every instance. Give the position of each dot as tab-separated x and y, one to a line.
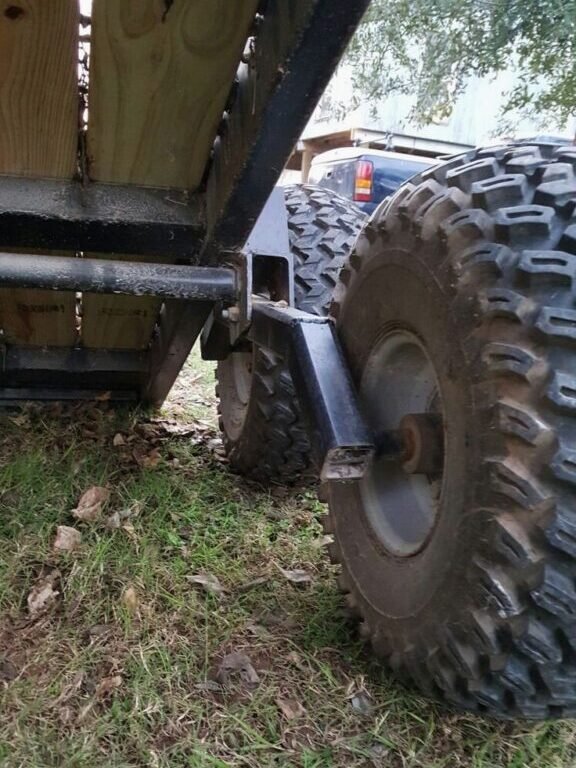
401	502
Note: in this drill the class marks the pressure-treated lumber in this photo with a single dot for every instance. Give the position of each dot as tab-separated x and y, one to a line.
160	75
38	137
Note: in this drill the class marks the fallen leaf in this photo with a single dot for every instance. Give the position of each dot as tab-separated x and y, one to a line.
257	630
21	420
323	541
271	619
65	714
91	502
297	576
129	529
113	521
149	431
148	460
361	703
43	595
290	708
118	440
378	754
8	671
237	664
107	686
98	631
296	659
132	511
103	397
67	539
69	689
208	685
210	583
248	585
130	599
116	519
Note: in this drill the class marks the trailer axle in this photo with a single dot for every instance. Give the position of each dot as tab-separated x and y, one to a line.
64	273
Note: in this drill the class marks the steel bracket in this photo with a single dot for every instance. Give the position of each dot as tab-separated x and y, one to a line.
341	441
265	268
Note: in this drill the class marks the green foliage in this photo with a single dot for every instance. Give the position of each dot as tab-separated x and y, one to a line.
429	48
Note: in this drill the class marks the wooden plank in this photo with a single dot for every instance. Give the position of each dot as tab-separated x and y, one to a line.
160	76
118	322
37	318
38	137
38	88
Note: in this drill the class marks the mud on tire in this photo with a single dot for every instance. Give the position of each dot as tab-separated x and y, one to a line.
258	408
477	257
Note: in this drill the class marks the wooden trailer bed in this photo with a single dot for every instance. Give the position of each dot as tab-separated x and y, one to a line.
160	74
161	146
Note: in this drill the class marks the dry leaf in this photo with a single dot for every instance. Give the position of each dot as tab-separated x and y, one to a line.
21	420
209	582
8	671
107	686
98	631
113	521
69	689
129	529
248	585
43	595
67	539
118	440
103	397
116	519
89	507
296	659
323	541
130	600
378	755
361	703
290	708
208	685
297	576
237	664
149	460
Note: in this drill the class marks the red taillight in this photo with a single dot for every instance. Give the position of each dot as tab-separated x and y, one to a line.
363	181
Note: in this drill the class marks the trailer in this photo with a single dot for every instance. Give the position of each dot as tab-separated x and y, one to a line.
422	360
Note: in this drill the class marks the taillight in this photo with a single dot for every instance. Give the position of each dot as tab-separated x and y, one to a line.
363	181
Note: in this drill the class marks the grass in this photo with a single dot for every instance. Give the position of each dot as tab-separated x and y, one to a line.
102	680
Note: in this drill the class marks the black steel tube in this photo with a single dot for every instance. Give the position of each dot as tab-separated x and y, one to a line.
337	431
65	273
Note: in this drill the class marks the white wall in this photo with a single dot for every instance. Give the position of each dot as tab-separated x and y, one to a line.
475	119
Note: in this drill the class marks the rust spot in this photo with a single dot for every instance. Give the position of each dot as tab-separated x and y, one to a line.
14	12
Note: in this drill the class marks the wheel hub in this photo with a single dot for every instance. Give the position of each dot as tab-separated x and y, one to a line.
418	443
401	396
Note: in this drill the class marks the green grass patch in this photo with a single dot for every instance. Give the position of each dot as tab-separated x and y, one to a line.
101	680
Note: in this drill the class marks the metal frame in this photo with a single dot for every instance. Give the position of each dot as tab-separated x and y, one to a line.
293	55
341	441
64	273
66	215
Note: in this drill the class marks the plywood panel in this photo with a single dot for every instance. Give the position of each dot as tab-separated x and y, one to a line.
160	74
38	137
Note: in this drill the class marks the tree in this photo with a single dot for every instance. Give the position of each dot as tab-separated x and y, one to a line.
429	48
